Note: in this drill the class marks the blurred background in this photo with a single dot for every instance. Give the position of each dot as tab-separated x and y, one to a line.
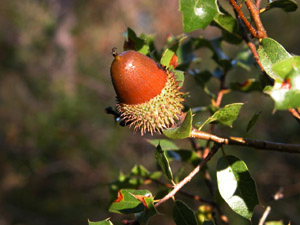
58	148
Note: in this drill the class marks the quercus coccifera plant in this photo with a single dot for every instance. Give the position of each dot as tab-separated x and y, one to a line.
150	99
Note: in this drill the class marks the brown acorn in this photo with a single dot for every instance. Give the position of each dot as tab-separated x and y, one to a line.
148	96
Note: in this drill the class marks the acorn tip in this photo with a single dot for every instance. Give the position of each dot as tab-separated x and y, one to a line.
114	52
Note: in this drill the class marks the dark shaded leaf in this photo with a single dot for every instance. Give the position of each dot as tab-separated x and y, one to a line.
183	215
286	5
149	211
163	162
236	186
252	122
164	143
183	131
134	42
197	14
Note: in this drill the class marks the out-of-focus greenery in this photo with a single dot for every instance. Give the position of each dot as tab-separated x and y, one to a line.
58	148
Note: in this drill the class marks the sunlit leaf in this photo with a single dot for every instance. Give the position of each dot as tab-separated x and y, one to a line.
286	5
127	203
139	170
197	13
225	116
103	222
183	131
164	143
163	162
183	215
271	52
236	186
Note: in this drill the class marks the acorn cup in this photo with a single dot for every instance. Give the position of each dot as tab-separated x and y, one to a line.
148	96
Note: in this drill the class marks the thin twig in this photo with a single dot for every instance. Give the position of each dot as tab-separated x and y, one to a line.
190	176
258	144
254	11
241	15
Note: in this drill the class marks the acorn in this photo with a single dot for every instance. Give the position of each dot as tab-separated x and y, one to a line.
148	95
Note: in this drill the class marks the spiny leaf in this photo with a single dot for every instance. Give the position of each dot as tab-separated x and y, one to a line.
236	186
183	215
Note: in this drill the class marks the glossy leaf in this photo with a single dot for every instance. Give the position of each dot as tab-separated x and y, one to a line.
271	52
236	186
129	201
183	215
225	116
183	131
163	162
286	5
103	222
197	13
252	121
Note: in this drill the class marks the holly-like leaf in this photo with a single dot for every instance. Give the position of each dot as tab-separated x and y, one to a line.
183	215
252	122
103	222
129	201
197	13
286	5
163	162
271	52
225	116
236	186
183	131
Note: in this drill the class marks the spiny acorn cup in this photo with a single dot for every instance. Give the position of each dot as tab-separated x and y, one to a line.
148	96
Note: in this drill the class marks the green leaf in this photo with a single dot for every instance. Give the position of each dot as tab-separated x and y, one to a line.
164	143
286	91
183	131
271	52
236	186
252	122
197	13
244	59
185	156
229	26
179	77
135	42
149	211
286	5
103	222
163	162
225	116
248	86
183	215
166	57
139	170
127	201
